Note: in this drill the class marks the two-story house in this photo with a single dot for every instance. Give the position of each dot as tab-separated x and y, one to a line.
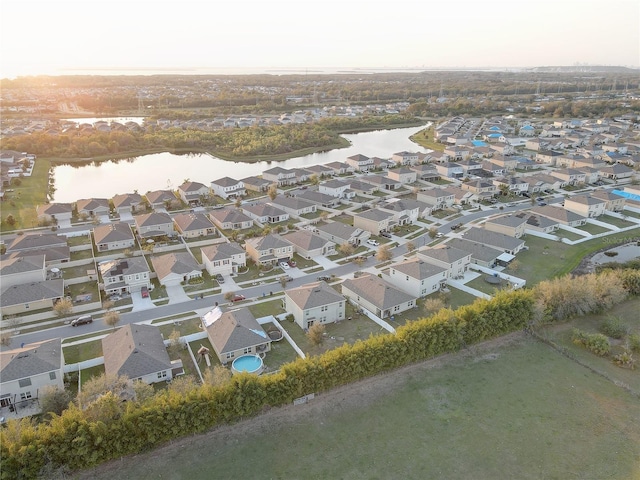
379	297
193	193
454	260
314	303
113	236
270	249
279	176
416	277
154	224
125	275
223	258
360	163
227	187
308	244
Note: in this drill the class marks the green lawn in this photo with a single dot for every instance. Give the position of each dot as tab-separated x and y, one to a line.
89	373
569	235
593	229
82	351
22	202
185	327
270	307
618	222
520	411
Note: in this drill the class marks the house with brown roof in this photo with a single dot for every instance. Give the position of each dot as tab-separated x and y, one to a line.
154	224
193	193
230	219
128	203
138	352
55	212
175	268
377	296
93	207
314	303
162	199
223	258
234	333
256	184
113	236
194	225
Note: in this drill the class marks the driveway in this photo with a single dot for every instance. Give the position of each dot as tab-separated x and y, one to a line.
324	262
140	303
126	216
176	294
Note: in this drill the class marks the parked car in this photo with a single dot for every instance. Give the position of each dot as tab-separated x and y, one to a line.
288	278
238	298
144	292
292	263
525	194
539	199
284	265
324	278
385	234
373	242
439	235
542	204
219	278
84	319
511	204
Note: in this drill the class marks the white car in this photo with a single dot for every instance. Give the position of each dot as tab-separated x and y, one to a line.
284	265
373	242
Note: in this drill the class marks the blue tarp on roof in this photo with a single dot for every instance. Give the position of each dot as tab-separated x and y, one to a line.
479	143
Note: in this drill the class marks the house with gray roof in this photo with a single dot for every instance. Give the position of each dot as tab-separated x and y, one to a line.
193	193
416	277
374	221
124	275
586	205
55	212
174	268
25	371
128	203
294	205
194	225
502	242
617	171
360	163
93	207
113	236
154	224
321	199
481	254
405	158
454	260
538	223
256	184
36	241
234	333
405	211
22	270
137	351
308	244
404	175
230	219
340	168
337	188
270	249
437	198
377	296
223	258
511	225
381	182
341	233
280	176
227	187
615	203
426	172
560	215
265	213
33	296
314	303
162	199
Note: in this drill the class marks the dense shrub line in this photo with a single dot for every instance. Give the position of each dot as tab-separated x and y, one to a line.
77	440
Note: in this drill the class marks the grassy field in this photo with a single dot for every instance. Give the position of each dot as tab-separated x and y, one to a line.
22	202
517	411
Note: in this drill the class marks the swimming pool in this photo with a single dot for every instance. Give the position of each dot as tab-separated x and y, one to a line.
247	363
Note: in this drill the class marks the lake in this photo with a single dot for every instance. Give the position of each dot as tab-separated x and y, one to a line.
166	170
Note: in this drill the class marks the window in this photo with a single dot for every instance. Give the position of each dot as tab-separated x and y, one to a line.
24	382
162	374
52	375
230	355
25	396
247	350
324	308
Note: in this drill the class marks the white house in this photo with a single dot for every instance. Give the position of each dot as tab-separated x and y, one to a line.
227	187
223	258
416	277
314	303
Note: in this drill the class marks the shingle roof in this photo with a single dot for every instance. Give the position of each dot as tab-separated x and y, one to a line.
227	215
180	263
313	295
507	220
126	200
478	251
123	266
135	350
225	182
16	265
444	253
152	219
32	292
55	208
112	232
91	204
192	221
36	240
493	239
221	251
160	196
268	242
29	360
418	269
235	330
305	239
377	292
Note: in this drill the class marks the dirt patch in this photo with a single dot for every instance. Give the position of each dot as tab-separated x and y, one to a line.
359	394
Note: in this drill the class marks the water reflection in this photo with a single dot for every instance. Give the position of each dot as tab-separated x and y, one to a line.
156	171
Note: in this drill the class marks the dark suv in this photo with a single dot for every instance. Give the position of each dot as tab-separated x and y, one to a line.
81	320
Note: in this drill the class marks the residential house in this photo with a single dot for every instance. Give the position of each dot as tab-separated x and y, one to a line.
403	175
516	185
293	205
536	144
321	199
458	152
320	171
454	260
193	193
270	249
503	147
404	210
438	198
53	247
377	296
279	176
337	188
570	176
22	270
128	203
504	243
55	212
175	268
265	213
194	225
405	158
426	172
470	168
92	207
617	171
341	233
162	199
230	219
340	168
35	296
381	182
548	157
483	189
26	371
541	182
314	303
615	203
227	187
560	215
360	163
450	170
124	275
416	277
154	224
538	223
381	163
586	205
138	352
363	187
113	236
256	184
223	258
481	254
374	221
309	245
235	333
509	164
510	225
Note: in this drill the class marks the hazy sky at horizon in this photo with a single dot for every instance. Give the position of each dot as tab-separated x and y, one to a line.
44	36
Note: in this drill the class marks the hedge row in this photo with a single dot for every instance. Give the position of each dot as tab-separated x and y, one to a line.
73	440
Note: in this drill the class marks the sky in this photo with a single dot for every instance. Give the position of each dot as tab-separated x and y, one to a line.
105	36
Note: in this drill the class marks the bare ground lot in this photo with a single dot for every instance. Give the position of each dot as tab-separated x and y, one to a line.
512	408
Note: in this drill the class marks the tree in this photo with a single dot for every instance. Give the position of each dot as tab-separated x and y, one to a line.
315	180
411	246
112	318
283	281
95	387
11	221
228	296
183	384
432	305
107	305
515	265
216	376
504	189
63	307
346	249
273	191
433	233
316	334
238	202
359	260
384	253
53	400
5	338
174	342
324	215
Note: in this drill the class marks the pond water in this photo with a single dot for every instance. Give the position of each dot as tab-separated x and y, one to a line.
93	120
166	170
